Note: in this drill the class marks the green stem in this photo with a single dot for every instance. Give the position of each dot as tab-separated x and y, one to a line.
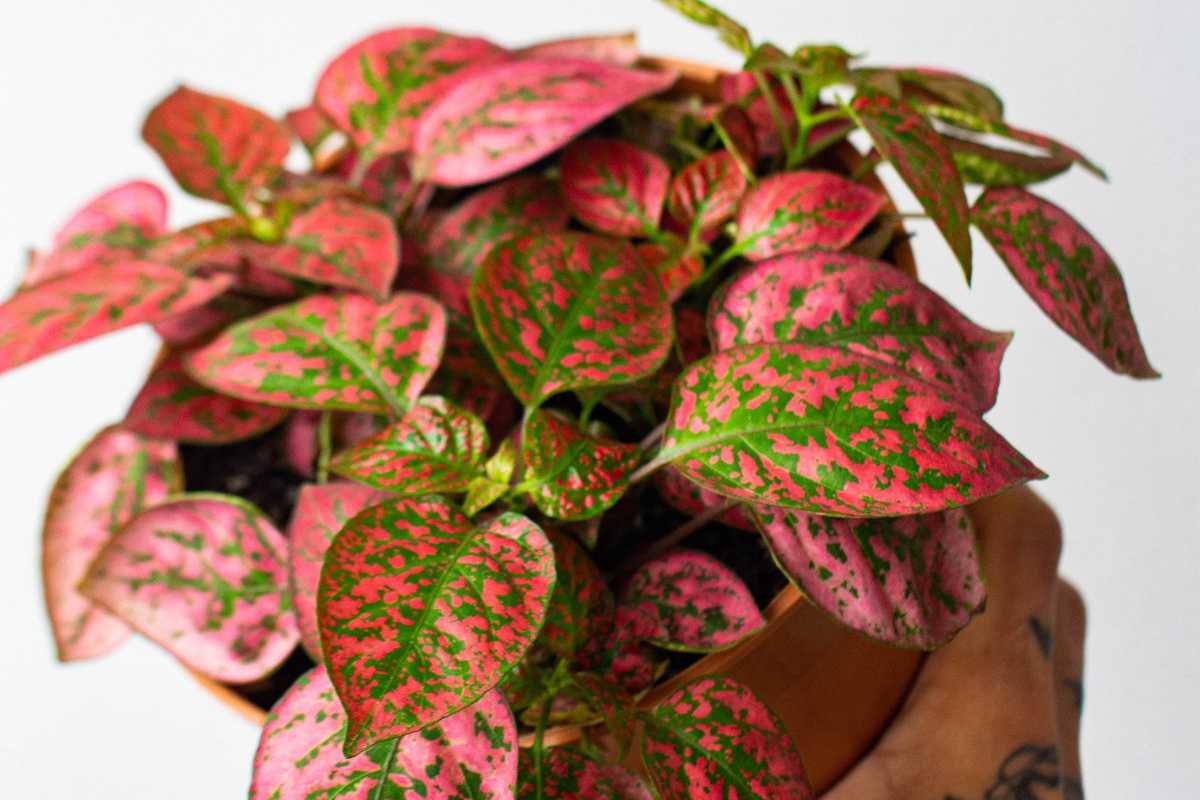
738	158
362	164
734	250
675	537
324	445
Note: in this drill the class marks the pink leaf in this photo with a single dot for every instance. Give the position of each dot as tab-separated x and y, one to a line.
201	322
574	475
619	653
500	119
614	187
706	192
675	267
569	774
300	441
693	500
613	48
311	127
581	604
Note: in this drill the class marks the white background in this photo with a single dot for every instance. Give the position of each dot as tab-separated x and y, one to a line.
1119	79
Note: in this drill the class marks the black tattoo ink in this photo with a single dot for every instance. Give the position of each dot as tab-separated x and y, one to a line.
1026	772
1041	633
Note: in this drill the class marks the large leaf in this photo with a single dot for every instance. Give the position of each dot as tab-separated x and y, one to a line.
693	500
715	738
470	755
706	192
991	166
326	352
337	243
205	576
436	447
570	774
499	119
803	210
215	147
574	475
908	581
1067	273
171	405
321	512
93	301
114	477
860	306
614	187
421	613
695	602
612	48
828	432
377	88
581	604
569	311
907	140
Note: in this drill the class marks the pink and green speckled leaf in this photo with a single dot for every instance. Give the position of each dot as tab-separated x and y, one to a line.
706	192
864	307
907	140
171	405
984	165
570	774
831	432
571	474
715	738
330	353
204	576
377	88
469	755
499	119
568	311
321	512
908	581
436	447
803	210
311	127
93	301
676	267
1067	273
114	477
620	653
691	499
581	604
612	48
952	88
215	147
695	602
421	613
336	243
614	187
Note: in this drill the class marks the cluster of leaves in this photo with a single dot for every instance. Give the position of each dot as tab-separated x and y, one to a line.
611	277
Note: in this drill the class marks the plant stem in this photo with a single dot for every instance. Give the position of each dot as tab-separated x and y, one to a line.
324	445
362	164
675	537
738	158
647	469
652	437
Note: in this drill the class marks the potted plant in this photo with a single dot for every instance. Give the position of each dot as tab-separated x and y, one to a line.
536	439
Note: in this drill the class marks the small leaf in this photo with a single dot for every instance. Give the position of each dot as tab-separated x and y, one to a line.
481	493
575	476
436	447
620	654
378	87
957	90
803	210
114	477
581	604
336	243
500	119
831	433
614	187
715	738
691	499
321	512
421	614
311	127
696	603
990	166
908	581
205	576
214	147
730	31
612	48
1067	273
865	307
469	755
909	142
93	301
706	192
675	267
569	774
339	353
569	311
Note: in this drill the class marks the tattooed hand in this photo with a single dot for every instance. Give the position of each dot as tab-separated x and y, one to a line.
994	715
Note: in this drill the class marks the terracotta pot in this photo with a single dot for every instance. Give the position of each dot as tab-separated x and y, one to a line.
835	689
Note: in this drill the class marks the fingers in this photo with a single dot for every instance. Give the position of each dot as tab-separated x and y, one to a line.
1070	628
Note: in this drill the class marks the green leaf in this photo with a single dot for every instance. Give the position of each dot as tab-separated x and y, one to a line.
990	166
573	475
581	604
730	31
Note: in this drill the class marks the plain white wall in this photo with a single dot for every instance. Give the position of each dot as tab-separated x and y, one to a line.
1117	78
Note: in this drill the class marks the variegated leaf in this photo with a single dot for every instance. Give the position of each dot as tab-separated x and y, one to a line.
569	311
715	738
571	474
695	602
612	48
173	406
674	265
493	484
215	147
803	210
378	87
495	121
436	447
729	30
201	322
93	301
569	774
205	576
957	90
321	512
581	604
469	755
614	187
829	432
312	128
421	613
991	166
1067	273
864	307
907	140
340	353
706	192
110	481
693	499
620	655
